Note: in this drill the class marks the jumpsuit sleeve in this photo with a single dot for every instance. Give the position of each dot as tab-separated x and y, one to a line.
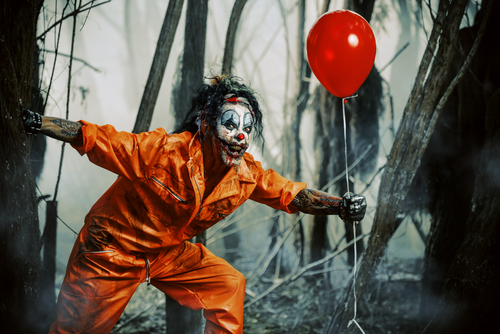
276	191
123	153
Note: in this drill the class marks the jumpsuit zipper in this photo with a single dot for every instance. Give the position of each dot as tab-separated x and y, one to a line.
192	172
180	199
96	252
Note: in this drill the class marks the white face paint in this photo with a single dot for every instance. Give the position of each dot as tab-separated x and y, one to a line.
233	133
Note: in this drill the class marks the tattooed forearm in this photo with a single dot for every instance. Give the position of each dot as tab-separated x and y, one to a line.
61	129
68	128
317	202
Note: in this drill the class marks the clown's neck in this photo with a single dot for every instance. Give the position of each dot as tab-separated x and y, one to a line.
215	169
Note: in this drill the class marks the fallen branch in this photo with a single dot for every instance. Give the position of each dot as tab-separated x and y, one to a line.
292	277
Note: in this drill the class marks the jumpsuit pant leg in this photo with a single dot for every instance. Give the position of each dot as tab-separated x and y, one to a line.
97	287
194	277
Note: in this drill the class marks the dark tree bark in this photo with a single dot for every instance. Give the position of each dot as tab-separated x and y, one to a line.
301	100
193	58
158	66
322	106
181	319
302	93
453	174
419	118
227	60
19	228
48	277
469	302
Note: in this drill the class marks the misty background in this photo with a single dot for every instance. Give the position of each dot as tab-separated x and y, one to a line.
113	50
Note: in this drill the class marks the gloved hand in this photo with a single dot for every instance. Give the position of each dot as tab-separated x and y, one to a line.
32	121
353	207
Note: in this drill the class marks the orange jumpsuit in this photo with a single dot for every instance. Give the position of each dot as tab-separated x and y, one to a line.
139	230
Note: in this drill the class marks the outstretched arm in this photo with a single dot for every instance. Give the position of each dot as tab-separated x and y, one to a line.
315	202
61	129
57	128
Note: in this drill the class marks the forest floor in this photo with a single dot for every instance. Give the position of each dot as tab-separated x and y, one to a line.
304	305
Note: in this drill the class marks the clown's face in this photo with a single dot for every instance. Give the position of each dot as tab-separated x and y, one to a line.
233	133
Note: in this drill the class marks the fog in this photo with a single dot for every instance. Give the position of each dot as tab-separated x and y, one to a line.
106	88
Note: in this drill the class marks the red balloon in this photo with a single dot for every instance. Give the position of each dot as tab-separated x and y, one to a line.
341	50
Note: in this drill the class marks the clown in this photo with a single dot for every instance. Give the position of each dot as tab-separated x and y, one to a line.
170	188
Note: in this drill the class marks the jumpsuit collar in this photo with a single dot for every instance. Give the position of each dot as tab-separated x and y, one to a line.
242	172
230	183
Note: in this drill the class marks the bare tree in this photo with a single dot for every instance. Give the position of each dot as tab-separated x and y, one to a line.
451	184
181	319
19	227
424	106
191	66
158	66
227	60
292	140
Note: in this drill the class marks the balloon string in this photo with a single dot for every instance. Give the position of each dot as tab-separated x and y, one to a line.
353	320
344	101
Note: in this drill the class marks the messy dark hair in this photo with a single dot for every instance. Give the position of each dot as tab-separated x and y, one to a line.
210	98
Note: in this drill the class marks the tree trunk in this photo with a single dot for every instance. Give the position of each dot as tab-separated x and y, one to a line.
48	278
19	228
322	106
463	146
300	104
421	112
227	60
193	58
181	319
469	303
158	66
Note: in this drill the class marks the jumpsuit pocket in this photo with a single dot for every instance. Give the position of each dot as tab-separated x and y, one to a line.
163	185
92	274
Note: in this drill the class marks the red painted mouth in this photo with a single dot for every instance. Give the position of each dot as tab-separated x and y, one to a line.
234	150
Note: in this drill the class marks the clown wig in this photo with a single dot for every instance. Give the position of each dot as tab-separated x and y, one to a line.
211	97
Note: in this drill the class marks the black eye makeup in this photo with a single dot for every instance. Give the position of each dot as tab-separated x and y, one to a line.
230	119
247	122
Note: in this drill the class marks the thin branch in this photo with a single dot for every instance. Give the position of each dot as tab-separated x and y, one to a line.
327	258
86	16
44	198
67	103
293	277
74	13
55	59
129	321
74	58
373	178
395	56
257	221
418	227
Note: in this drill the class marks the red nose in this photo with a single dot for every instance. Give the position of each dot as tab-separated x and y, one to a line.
241	136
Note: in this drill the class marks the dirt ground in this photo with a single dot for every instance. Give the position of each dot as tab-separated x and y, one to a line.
304	306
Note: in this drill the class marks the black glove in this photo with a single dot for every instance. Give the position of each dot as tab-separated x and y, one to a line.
32	121
353	207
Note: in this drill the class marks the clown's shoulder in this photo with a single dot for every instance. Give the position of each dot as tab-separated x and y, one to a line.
254	165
